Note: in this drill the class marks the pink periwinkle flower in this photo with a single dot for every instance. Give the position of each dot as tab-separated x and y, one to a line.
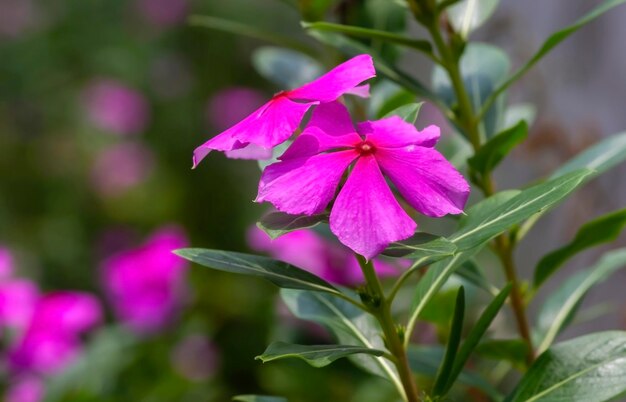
121	167
17	303
146	285
25	389
365	216
310	251
116	108
163	13
274	122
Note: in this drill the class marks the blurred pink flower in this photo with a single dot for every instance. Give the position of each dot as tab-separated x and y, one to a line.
114	107
121	167
17	17
146	285
308	250
25	389
195	357
6	263
231	105
163	13
17	303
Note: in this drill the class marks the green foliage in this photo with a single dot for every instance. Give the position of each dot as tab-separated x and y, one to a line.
445	370
286	68
276	224
591	368
408	112
497	148
422	246
467	15
315	355
511	350
258	398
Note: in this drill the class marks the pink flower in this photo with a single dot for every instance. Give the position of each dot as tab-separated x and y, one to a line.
6	263
25	389
307	250
17	303
146	285
121	167
114	107
365	215
274	122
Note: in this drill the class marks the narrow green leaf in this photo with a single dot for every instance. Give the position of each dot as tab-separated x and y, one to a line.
475	335
591	368
408	112
480	211
552	41
519	112
279	273
468	15
511	350
360	32
315	355
242	29
559	308
350	325
600	230
258	398
471	273
276	224
422	245
492	153
527	203
446	368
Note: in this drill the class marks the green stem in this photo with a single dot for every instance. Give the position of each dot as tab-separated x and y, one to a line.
380	307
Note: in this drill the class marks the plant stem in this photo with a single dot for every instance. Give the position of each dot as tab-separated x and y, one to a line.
381	309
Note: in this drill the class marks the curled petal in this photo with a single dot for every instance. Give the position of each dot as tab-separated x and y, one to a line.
366	217
393	132
428	182
304	185
268	126
338	81
362	91
251	151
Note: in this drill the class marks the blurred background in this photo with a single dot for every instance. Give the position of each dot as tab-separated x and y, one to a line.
101	105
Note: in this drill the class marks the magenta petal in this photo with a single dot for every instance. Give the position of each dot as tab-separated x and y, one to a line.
366	217
428	182
362	91
393	132
268	126
304	185
251	151
341	79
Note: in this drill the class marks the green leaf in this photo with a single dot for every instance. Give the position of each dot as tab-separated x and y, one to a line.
591	368
350	325
511	350
408	112
468	15
492	153
386	96
518	112
471	273
277	151
600	157
258	398
527	203
276	224
548	45
315	355
285	67
475	335
422	246
601	230
481	211
279	273
558	310
445	370
242	29
483	67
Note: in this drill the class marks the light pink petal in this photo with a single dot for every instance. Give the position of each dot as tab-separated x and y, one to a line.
366	217
251	151
338	81
330	127
268	126
65	312
25	389
304	185
362	91
428	182
393	132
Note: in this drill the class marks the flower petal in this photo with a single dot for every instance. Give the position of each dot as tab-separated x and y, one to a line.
341	79
366	217
393	132
251	151
268	126
428	182
304	185
330	127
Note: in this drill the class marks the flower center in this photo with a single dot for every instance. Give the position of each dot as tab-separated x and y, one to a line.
366	148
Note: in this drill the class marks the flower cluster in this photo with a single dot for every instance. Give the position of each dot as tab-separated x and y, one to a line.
311	174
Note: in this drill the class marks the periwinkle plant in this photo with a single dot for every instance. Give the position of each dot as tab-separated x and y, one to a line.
331	170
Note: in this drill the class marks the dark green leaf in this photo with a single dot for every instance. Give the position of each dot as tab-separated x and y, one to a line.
468	15
548	45
279	273
591	368
477	213
258	398
422	245
471	273
512	350
315	355
475	335
527	203
286	68
492	153
601	230
518	112
557	311
445	370
408	112
386	96
276	224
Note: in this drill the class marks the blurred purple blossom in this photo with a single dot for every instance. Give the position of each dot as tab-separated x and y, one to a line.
230	105
146	285
116	108
17	303
121	167
310	251
163	13
25	389
195	358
